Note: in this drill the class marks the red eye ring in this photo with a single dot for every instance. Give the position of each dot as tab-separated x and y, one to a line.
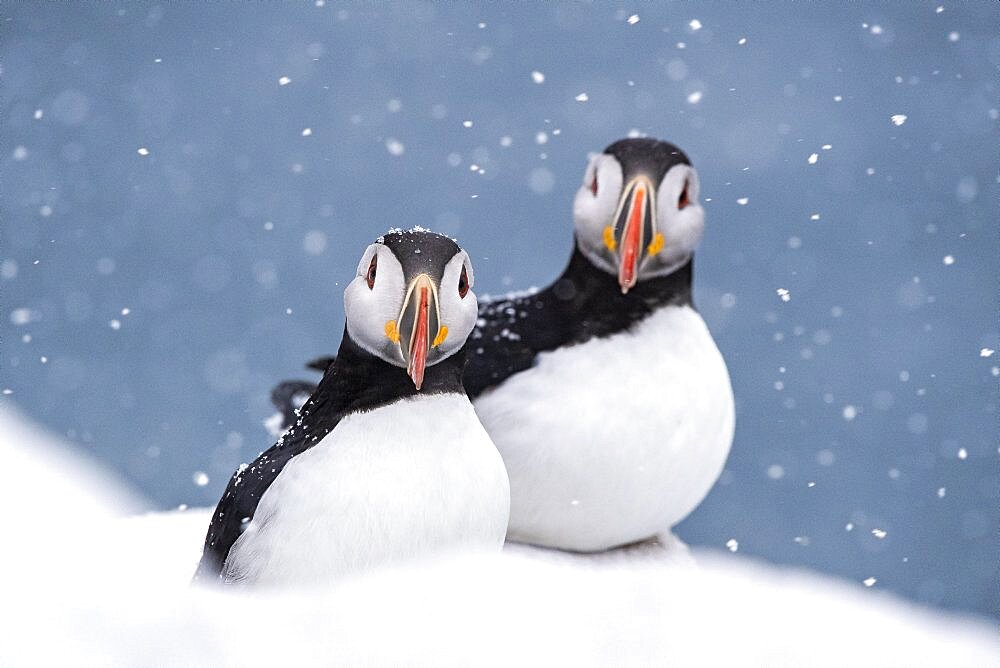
463	283
683	200
372	271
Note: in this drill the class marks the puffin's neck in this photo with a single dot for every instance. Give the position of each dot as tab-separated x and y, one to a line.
592	285
359	381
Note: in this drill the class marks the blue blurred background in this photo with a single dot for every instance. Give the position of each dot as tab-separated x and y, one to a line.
185	189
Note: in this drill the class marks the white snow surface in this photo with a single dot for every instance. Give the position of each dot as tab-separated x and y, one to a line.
81	586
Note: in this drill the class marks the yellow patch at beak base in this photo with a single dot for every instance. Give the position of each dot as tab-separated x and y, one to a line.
391	331
441	336
656	245
609	238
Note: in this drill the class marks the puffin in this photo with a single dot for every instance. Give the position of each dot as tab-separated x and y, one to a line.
605	392
386	461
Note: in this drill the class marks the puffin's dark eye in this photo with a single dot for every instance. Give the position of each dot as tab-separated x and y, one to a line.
463	284
593	185
683	200
371	272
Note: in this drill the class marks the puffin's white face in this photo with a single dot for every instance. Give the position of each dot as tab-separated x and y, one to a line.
637	229
411	321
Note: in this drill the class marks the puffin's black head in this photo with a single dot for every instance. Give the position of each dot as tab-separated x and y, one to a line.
637	214
411	303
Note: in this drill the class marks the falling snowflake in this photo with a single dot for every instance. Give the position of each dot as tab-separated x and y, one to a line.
306	132
868	582
632	20
284	81
898	119
143	150
537	77
395	147
813	158
695	97
962	453
582	97
879	533
743	201
200	478
695	25
986	352
949	259
784	294
732	544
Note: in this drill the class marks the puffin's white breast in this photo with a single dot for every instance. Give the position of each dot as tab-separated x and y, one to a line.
400	482
614	440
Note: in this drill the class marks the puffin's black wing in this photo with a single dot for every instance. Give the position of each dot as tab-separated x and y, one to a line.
244	491
321	364
357	382
236	508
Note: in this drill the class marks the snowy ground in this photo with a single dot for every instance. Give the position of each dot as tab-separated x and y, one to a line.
83	585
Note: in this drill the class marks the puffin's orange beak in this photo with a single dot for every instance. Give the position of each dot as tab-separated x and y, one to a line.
419	317
419	340
634	236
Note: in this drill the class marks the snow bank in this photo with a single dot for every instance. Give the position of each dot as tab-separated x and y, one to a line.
113	591
48	478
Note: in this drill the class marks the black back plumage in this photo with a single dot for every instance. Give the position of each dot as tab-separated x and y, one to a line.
584	303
